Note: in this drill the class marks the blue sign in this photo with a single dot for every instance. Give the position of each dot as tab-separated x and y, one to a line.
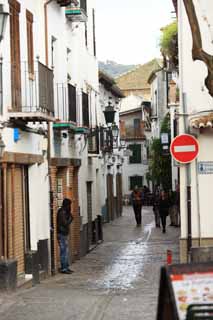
16	134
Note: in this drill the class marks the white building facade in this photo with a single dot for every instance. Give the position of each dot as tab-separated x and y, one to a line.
135	129
49	104
196	104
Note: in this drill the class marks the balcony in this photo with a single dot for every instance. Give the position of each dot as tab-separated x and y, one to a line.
32	94
77	13
129	132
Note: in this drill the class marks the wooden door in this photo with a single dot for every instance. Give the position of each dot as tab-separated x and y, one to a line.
119	193
89	212
110	197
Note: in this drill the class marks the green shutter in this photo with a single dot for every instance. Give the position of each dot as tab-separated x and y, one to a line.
136	156
136	181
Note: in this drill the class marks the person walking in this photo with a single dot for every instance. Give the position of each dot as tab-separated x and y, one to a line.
136	198
156	207
64	219
164	209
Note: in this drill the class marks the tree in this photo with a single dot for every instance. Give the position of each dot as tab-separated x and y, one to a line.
197	51
160	164
169	44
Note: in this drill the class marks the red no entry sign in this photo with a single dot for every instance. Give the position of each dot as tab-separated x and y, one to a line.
184	148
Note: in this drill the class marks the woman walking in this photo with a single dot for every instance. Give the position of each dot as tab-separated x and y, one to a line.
136	198
164	205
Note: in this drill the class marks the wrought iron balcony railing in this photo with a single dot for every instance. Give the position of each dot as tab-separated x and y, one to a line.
128	132
94	141
65	103
32	94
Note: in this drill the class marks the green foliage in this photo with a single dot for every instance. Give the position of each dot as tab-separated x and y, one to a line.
169	42
160	164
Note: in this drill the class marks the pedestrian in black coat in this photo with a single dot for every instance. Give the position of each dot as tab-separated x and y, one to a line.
164	205
64	219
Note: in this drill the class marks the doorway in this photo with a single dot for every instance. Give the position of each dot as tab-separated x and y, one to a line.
89	213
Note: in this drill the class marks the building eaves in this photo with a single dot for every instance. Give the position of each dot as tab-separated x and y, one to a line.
110	85
130	111
153	75
117	91
105	78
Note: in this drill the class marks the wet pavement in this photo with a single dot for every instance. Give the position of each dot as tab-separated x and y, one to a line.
117	280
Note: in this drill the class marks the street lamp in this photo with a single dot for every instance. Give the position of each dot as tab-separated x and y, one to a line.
3	21
115	132
109	113
122	144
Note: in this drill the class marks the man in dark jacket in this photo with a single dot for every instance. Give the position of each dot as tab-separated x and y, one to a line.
64	219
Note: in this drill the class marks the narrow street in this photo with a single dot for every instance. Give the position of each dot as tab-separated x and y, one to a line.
117	280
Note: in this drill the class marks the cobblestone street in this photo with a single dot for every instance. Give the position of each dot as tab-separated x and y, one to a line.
117	280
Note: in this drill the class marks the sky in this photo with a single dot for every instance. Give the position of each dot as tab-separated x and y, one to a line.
128	31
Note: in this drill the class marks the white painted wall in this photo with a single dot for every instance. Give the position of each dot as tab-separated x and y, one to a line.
29	142
130	169
158	102
39	203
115	158
192	75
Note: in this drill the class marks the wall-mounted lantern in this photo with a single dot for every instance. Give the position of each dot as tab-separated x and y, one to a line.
115	132
109	113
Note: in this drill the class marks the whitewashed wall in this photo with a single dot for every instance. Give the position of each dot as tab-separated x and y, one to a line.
197	99
130	169
28	142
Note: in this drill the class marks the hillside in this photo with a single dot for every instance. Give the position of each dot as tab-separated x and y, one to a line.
114	69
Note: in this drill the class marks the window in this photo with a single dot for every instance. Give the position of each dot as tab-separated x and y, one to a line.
135	181
29	18
137	123
72	102
136	153
85	109
137	126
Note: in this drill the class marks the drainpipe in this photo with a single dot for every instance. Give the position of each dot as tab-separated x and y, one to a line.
51	244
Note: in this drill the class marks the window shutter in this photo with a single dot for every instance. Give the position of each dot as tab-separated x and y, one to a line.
15	54
72	102
85	109
122	129
136	181
29	19
136	156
